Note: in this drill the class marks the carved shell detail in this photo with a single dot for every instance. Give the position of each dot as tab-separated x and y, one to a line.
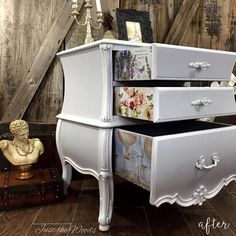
199	195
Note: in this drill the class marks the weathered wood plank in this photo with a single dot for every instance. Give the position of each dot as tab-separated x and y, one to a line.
164	19
128	4
24	27
17	222
110	5
167	220
201	223
35	74
218	28
152	14
230	41
48	99
224	204
182	21
62	212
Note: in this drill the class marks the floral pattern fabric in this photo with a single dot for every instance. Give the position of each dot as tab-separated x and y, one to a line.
134	102
133	64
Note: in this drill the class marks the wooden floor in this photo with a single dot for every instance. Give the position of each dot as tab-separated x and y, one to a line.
132	215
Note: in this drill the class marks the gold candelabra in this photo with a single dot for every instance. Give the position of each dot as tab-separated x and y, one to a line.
89	22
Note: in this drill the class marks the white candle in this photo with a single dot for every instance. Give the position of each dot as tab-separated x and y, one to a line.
98	4
74	4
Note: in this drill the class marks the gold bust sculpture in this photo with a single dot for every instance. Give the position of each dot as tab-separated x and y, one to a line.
22	151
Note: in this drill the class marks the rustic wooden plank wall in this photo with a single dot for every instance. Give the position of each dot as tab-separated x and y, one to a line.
213	25
35	75
25	24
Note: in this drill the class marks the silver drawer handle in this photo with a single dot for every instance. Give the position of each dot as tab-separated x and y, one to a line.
201	102
199	65
201	162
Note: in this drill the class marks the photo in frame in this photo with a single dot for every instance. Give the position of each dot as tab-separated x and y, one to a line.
134	25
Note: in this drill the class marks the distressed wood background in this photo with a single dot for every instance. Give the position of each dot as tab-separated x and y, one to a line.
26	23
24	26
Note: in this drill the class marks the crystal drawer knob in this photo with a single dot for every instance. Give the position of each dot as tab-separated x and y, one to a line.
201	102
199	65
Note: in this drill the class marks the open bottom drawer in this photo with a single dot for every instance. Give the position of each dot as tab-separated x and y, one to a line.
184	162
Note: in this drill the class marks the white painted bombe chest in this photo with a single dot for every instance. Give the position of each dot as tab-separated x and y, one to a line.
126	111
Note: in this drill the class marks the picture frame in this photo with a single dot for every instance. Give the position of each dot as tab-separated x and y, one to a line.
134	25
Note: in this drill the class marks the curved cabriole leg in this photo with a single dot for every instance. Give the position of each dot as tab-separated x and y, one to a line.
66	167
106	200
105	178
66	176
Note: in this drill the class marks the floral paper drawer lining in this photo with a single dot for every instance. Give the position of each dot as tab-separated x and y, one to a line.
133	64
134	102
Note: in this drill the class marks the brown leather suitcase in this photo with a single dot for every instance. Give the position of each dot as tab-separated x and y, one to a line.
44	187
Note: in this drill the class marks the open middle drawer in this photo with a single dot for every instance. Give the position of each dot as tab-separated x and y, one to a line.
160	104
185	162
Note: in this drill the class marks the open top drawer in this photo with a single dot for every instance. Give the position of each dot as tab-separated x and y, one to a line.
183	162
171	62
166	104
191	63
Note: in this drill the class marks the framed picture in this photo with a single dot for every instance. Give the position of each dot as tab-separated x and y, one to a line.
134	25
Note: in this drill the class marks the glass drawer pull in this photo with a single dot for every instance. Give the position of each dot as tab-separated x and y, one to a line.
201	102
199	65
201	162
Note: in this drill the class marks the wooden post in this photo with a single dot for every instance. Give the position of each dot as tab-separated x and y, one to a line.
34	76
182	21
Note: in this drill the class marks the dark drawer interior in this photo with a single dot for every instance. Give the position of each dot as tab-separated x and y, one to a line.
173	127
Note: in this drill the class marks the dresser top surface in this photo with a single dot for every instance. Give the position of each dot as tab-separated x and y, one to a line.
117	42
99	42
